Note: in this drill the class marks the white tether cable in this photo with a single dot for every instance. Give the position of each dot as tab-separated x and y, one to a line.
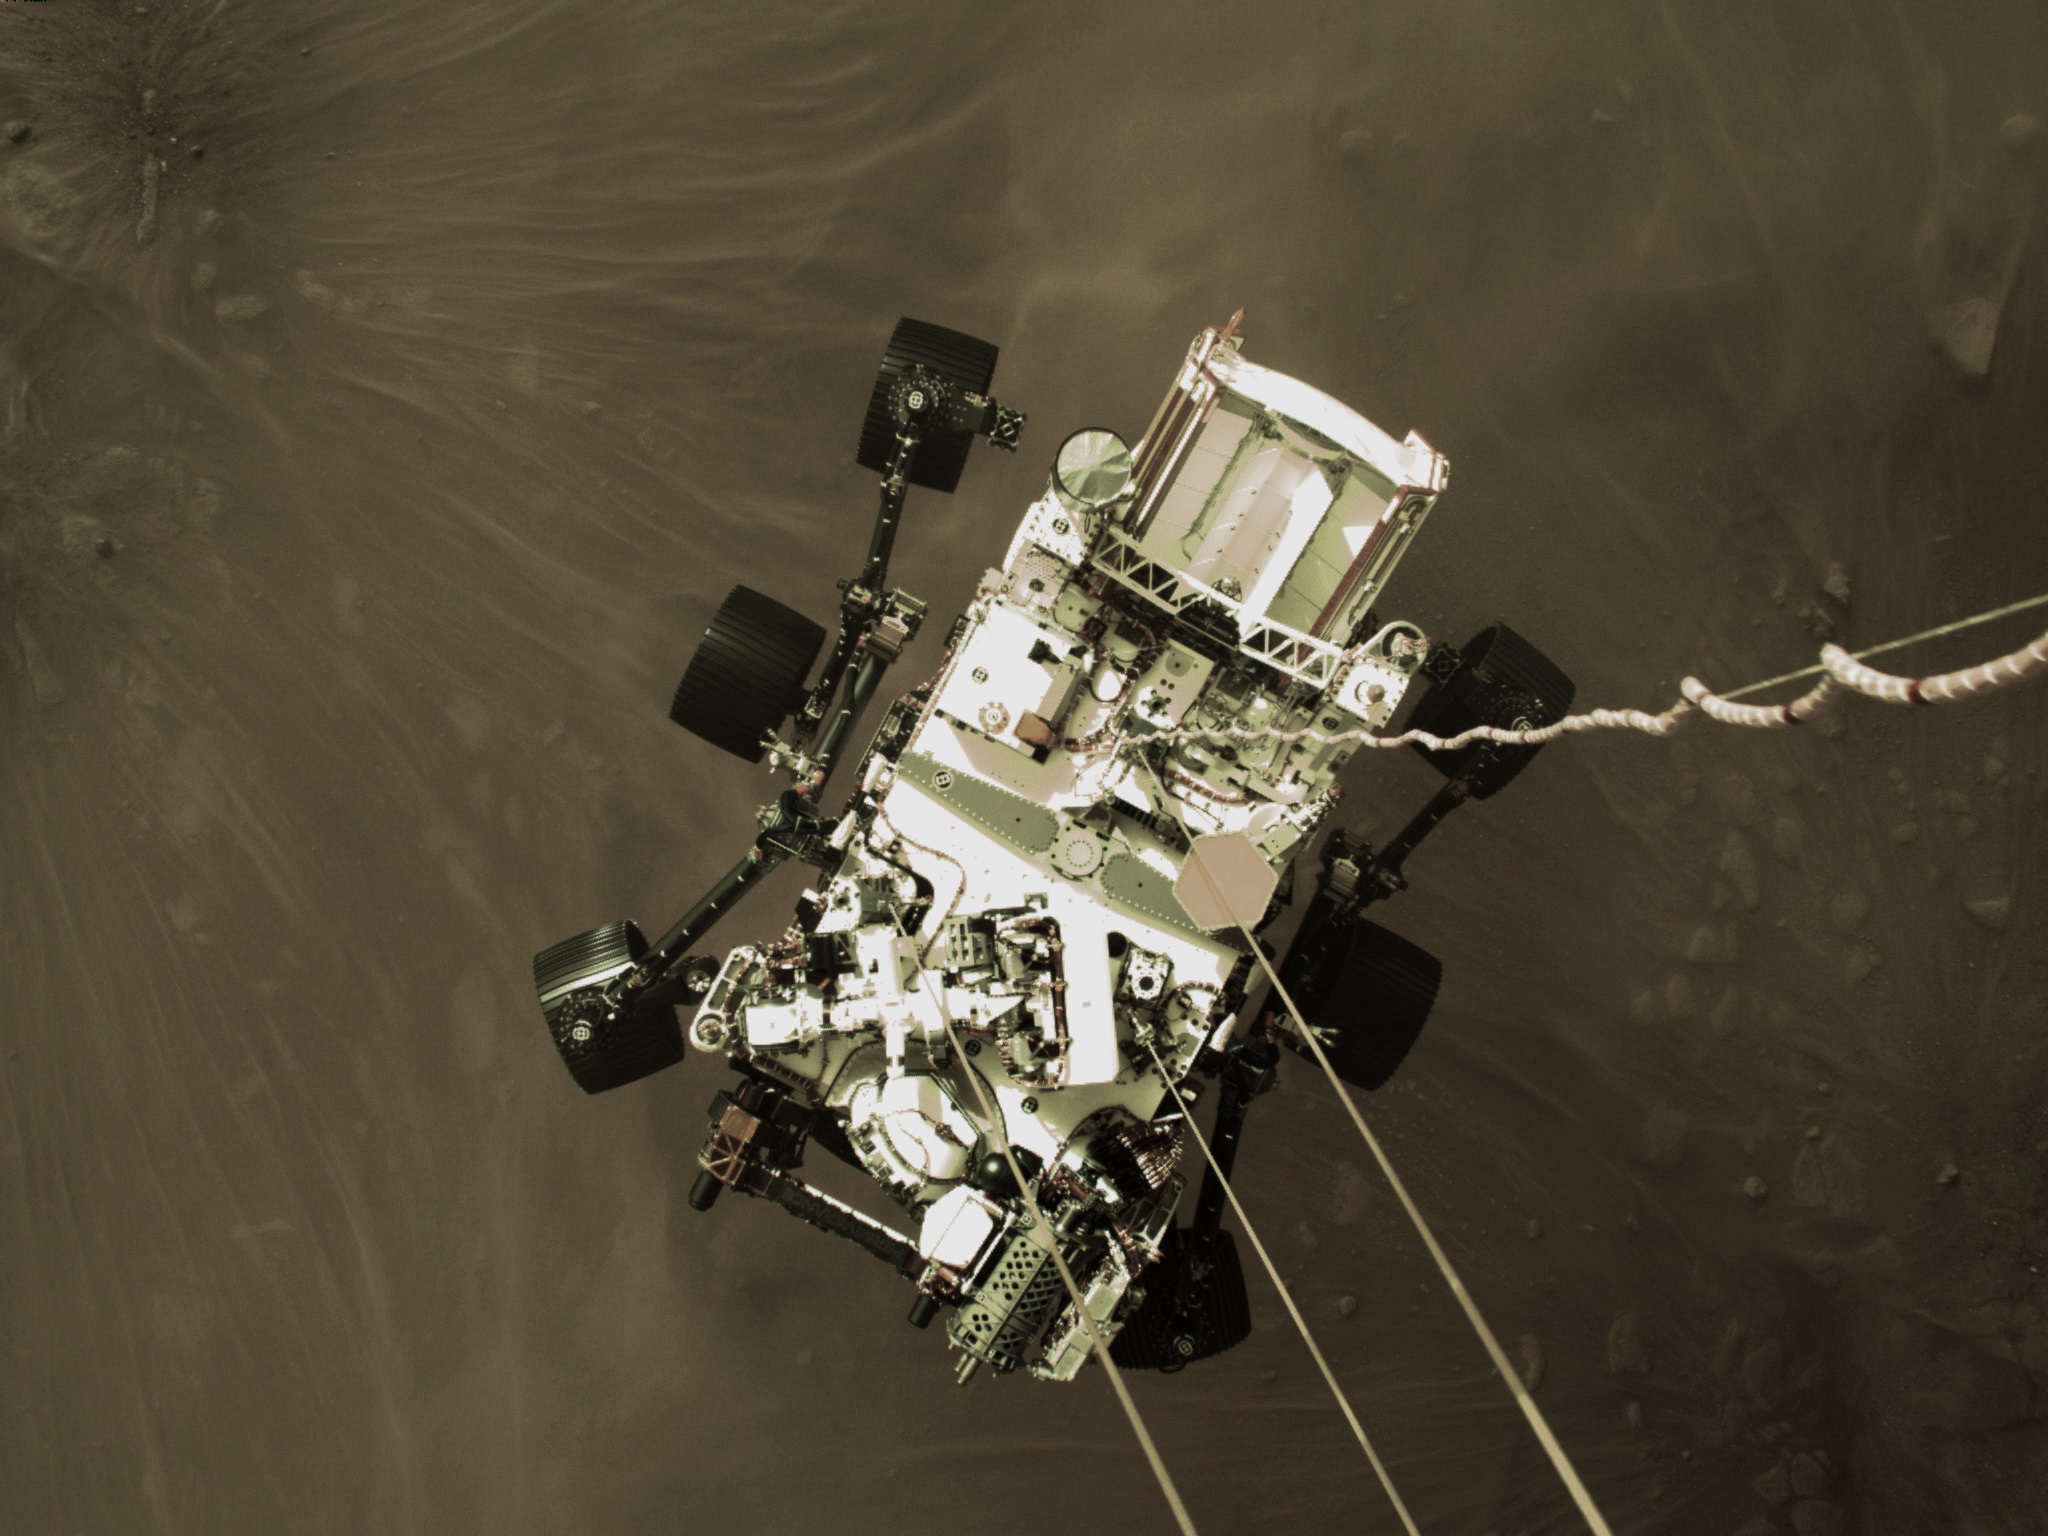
1523	1400
1840	671
1300	1323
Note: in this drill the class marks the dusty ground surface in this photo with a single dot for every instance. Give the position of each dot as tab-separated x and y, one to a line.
372	463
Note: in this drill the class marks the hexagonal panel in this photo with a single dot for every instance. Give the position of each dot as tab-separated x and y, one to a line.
1226	881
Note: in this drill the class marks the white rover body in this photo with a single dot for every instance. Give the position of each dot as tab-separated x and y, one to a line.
1038	895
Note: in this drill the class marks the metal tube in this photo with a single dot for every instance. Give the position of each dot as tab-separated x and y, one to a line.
1248	1073
894	484
854	613
696	922
866	678
1390	858
829	1215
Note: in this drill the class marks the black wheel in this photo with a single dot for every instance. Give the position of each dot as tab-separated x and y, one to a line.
748	673
1195	1306
601	1048
1502	680
960	359
1367	997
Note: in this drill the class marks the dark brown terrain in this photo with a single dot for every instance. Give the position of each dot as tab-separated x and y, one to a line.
388	394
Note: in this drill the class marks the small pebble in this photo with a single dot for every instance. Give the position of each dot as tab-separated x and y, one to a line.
1756	1188
1905	832
1347	1306
105	547
2020	130
1836	584
1813	1133
1535	1229
1948	1175
1634	1415
1825	1089
17	130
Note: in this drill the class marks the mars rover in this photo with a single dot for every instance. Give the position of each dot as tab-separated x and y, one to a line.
1029	941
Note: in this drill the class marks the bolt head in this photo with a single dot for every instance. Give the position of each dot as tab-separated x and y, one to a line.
580	1033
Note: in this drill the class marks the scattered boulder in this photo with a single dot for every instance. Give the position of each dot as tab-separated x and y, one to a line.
1836	583
1679	1000
1967	333
1756	1189
1820	624
1627	1353
1738	866
1356	143
242	307
1848	911
1809	1476
2018	131
1664	1137
17	130
1991	911
1948	1176
1352	1197
1774	1486
1721	1019
1347	1306
1532	1361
